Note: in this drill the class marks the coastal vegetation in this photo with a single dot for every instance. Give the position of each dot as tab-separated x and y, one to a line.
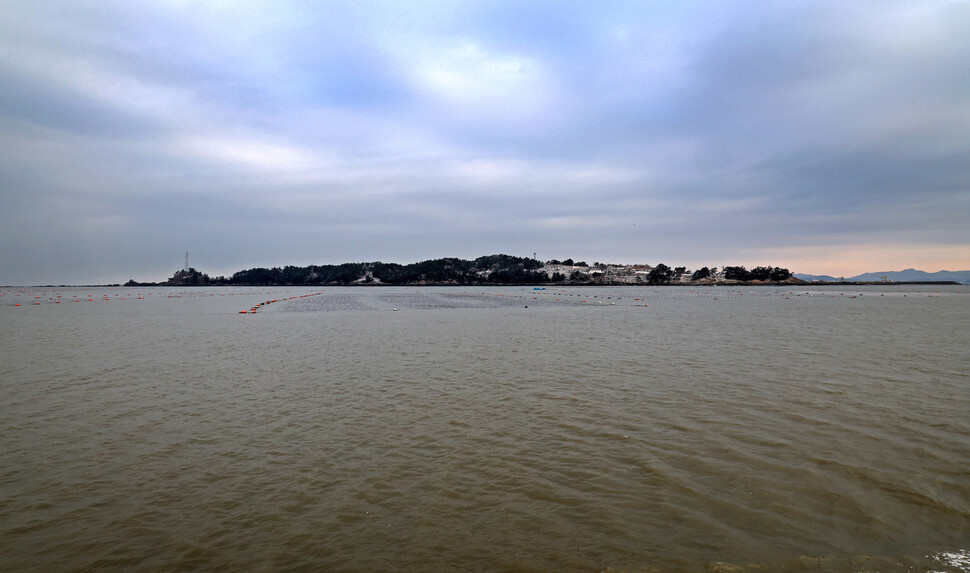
773	274
487	270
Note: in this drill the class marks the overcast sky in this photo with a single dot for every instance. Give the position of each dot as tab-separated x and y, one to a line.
824	137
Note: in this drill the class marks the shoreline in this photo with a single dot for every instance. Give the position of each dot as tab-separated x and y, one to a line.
542	285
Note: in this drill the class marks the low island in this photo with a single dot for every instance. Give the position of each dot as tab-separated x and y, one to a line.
486	270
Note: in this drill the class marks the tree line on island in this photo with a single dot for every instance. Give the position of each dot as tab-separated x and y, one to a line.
486	270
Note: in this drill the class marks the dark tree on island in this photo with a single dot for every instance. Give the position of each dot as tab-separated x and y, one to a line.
660	274
764	274
702	273
779	274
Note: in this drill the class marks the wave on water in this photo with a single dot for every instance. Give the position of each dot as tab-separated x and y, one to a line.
954	560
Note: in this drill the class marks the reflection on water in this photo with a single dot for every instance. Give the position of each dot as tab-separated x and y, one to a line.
482	429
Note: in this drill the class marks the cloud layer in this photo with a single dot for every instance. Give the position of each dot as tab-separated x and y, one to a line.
827	137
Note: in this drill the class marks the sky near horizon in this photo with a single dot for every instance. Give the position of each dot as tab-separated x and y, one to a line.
827	137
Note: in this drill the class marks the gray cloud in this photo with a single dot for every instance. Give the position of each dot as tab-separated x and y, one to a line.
298	133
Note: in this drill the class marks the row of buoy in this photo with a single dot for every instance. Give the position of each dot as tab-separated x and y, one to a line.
729	293
29	299
254	309
52	300
558	299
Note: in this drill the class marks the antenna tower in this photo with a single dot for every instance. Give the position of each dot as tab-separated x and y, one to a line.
186	261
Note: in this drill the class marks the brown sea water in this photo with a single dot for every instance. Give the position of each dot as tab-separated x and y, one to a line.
485	429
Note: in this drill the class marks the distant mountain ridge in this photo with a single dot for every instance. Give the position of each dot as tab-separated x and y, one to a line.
907	275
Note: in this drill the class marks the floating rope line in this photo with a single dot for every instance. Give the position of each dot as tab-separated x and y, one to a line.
256	308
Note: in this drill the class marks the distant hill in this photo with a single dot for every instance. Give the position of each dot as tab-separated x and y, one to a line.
822	278
908	275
